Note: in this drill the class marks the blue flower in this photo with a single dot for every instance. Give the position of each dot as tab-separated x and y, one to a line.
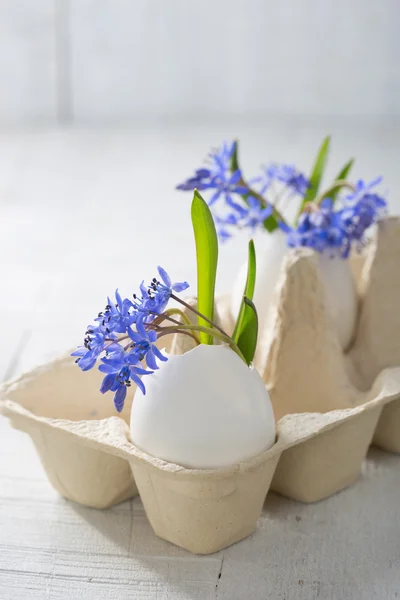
199	181
295	181
94	344
117	316
362	208
225	185
156	297
324	229
251	216
86	358
120	369
321	229
218	176
130	320
144	346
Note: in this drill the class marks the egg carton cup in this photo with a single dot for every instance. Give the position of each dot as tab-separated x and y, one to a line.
93	462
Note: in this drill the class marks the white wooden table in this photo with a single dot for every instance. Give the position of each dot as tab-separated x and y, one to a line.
72	229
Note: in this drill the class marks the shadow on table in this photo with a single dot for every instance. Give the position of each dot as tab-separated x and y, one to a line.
113	523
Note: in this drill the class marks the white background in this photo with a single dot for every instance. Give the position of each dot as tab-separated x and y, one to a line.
118	60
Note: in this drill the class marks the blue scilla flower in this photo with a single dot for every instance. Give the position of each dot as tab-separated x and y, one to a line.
320	228
362	208
324	229
94	343
155	298
285	174
120	369
217	176
200	181
226	185
131	320
144	346
249	217
117	316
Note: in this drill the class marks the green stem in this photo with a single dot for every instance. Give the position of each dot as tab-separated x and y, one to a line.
178	311
199	314
275	212
185	319
337	185
225	338
271	223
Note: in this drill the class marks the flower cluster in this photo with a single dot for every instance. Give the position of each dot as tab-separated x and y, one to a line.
292	179
135	322
217	176
249	217
243	207
322	228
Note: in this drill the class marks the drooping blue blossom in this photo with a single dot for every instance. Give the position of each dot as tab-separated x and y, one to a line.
226	185
325	229
295	181
250	216
130	320
321	229
144	346
200	181
217	176
94	344
362	208
120	369
155	298
117	316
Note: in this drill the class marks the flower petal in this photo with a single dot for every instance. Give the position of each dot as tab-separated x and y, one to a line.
164	276
180	286
151	360
159	354
107	383
139	383
119	398
104	368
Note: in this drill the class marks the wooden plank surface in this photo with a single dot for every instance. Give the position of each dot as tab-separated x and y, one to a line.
71	209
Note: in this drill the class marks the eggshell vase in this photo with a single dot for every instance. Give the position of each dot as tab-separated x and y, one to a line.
204	409
327	409
336	274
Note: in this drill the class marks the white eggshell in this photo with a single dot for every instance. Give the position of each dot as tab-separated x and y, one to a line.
341	295
203	409
336	275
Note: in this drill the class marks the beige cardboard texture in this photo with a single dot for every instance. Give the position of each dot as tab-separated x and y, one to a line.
377	345
378	341
203	510
45	401
329	461
387	434
305	369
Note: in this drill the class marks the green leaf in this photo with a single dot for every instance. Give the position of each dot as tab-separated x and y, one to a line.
316	174
248	290
207	260
234	158
270	223
342	175
247	339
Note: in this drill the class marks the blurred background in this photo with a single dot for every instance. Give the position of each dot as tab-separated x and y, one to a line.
106	105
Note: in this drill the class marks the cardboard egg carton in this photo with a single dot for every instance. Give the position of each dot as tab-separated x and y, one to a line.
329	406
